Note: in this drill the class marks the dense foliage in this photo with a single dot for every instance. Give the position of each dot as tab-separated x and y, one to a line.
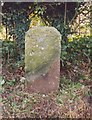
76	58
17	23
8	51
80	49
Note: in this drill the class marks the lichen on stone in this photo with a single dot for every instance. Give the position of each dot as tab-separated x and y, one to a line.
42	46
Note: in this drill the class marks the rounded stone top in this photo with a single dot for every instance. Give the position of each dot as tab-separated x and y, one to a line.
42	47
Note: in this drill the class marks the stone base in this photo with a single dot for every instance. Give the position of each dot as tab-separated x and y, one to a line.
47	83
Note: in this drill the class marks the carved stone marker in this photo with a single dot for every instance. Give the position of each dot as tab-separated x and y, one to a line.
42	59
0	57
1	78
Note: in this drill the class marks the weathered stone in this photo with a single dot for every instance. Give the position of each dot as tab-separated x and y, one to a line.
42	56
0	57
0	78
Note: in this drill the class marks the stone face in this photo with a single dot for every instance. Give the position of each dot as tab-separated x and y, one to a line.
47	83
42	51
0	57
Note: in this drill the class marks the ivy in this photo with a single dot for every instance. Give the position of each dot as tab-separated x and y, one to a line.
77	50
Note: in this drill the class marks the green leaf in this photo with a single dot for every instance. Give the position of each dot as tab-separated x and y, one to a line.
2	81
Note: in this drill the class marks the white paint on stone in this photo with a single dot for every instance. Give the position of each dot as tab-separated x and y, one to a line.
42	48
